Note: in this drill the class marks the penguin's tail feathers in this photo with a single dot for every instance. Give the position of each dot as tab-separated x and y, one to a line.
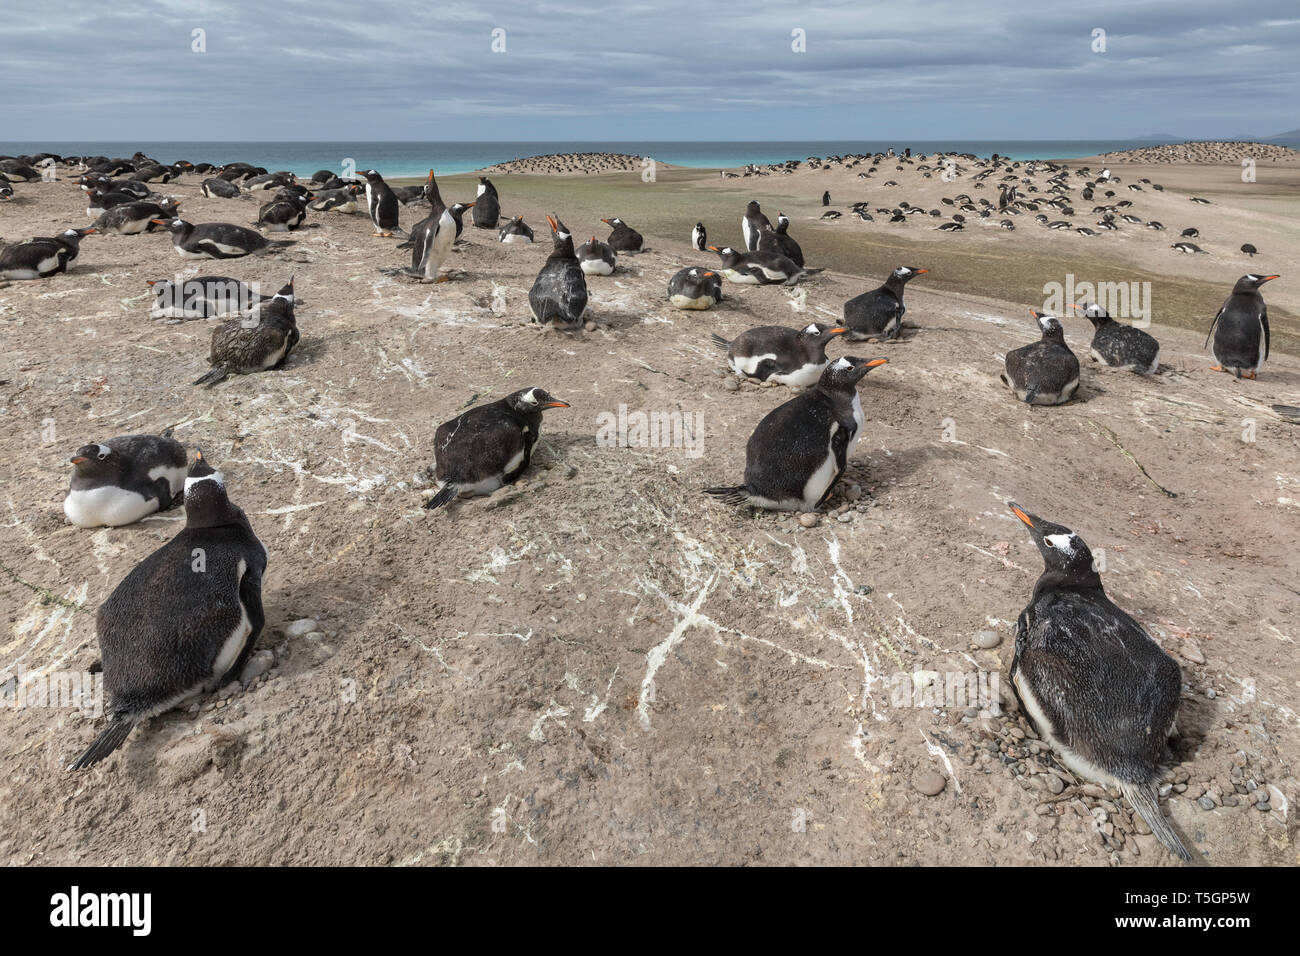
720	342
738	495
406	245
275	245
401	233
447	492
1146	802
212	376
113	736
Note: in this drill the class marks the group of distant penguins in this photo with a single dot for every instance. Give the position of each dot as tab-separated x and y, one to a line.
1095	685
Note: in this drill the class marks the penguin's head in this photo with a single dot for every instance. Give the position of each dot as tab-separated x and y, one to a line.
286	291
613	223
817	332
1049	324
173	225
96	460
1063	551
206	503
533	401
1251	283
1092	312
560	235
751	208
726	252
904	273
845	372
372	175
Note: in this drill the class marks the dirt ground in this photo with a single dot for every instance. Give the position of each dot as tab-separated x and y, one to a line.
601	664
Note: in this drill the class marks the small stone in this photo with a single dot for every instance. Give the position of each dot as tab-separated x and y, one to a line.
810	520
256	666
929	782
1205	803
300	627
731	385
1209	692
845	518
988	639
1054	783
853	492
231	688
1191	651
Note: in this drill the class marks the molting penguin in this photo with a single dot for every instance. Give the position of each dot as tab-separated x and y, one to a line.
695	288
800	449
515	231
751	225
487	205
1045	372
1094	684
185	619
1119	345
559	293
761	268
381	204
218	240
879	313
264	341
596	258
124	479
488	446
774	353
699	237
1240	330
622	237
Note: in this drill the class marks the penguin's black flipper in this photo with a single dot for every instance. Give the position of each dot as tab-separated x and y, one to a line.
1212	325
1145	801
406	245
444	495
212	376
1263	320
113	736
738	495
275	246
720	342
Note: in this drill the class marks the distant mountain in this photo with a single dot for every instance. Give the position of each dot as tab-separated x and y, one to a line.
1291	136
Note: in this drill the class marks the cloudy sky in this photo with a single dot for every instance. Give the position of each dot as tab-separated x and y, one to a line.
669	69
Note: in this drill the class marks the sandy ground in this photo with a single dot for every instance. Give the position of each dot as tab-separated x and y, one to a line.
601	664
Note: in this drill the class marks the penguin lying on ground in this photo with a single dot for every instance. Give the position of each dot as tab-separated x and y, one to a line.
622	237
762	268
133	218
124	479
774	353
202	297
283	214
800	449
487	205
42	257
488	446
218	240
516	230
694	288
1094	684
219	189
596	258
1119	345
879	313
1045	372
559	293
264	341
185	619
342	200
1240	330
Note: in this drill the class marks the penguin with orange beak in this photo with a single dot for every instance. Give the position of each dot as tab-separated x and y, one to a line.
878	314
695	288
1240	330
558	297
774	353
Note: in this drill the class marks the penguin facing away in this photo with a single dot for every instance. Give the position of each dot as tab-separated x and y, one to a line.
1118	345
124	479
185	619
1045	372
774	353
800	449
558	297
751	225
487	205
488	446
1240	330
1094	684
622	237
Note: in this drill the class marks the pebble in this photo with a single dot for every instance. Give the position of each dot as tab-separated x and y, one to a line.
256	666
300	627
731	385
1209	692
1205	803
929	783
845	518
1054	783
988	639
810	520
1192	652
853	492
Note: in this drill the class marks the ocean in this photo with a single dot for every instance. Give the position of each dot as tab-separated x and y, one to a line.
406	159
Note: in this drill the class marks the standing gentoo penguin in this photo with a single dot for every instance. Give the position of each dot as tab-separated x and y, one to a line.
559	293
1045	372
751	225
695	288
1119	345
124	479
800	449
488	446
780	241
185	619
826	198
432	237
763	268
622	237
1240	329
516	230
699	237
1094	684
381	204
243	346
43	257
774	353
596	258
879	313
487	205
218	240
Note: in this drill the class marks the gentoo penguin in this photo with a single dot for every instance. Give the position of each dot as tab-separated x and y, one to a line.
779	241
596	258
516	230
1190	248
1045	372
487	205
1119	345
432	237
101	200
488	446
123	479
6	192
219	189
201	297
342	200
42	257
751	225
800	449
381	204
826	198
1240	330
774	353
1094	684
264	341
879	313
622	237
761	268
185	619
1249	250
218	240
699	238
283	215
559	293
133	218
695	288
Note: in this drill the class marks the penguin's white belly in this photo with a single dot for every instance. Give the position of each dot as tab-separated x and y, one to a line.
440	245
804	377
596	267
233	645
480	488
774	273
740	277
106	506
134	227
1155	364
187	254
748	233
175	476
680	301
275	356
858	420
821	479
1076	762
50	264
746	365
515	237
228	250
277	227
17	274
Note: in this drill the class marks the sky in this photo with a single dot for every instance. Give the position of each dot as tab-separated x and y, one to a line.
322	70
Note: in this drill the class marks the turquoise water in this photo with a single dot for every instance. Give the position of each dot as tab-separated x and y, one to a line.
398	159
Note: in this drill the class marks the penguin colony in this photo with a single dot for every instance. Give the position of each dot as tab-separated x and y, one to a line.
1096	686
